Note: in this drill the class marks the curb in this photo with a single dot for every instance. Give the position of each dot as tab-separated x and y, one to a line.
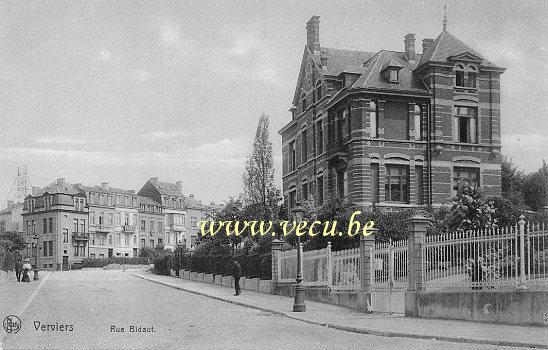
361	330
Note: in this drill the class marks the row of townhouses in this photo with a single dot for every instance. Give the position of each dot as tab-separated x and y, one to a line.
70	222
392	129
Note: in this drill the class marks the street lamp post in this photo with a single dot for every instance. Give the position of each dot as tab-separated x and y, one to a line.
299	305
35	257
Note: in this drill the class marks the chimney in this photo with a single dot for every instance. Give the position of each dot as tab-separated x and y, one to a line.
191	195
179	185
409	46
154	180
61	182
104	186
313	35
35	190
426	43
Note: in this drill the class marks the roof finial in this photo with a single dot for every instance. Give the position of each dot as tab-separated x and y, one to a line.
445	17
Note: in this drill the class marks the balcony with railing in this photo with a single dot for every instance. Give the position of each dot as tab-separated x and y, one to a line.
102	228
80	236
337	149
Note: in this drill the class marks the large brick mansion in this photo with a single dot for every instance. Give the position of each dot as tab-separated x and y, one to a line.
392	129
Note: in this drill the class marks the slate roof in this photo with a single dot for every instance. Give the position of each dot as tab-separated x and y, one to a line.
339	60
55	188
193	203
446	45
167	188
372	77
109	190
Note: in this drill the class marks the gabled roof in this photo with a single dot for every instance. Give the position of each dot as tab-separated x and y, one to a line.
339	60
447	45
373	79
167	188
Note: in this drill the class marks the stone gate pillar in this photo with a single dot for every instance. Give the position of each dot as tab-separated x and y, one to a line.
416	226
367	243
276	248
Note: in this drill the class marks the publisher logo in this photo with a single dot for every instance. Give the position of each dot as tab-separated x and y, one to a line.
12	324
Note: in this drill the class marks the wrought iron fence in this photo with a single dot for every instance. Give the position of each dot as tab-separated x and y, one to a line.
346	269
501	258
338	270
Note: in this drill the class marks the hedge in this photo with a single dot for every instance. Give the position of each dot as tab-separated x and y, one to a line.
253	265
115	260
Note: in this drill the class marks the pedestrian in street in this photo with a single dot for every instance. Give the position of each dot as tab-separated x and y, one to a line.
26	269
236	273
18	269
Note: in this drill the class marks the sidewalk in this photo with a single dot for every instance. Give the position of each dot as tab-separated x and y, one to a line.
378	324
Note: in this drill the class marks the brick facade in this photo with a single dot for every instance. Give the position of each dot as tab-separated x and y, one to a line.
394	129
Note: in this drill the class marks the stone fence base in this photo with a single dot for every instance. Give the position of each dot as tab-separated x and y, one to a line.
255	284
351	299
521	307
348	298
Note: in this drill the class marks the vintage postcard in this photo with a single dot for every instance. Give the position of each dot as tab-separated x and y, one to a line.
273	174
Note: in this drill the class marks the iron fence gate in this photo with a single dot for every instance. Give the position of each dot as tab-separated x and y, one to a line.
389	264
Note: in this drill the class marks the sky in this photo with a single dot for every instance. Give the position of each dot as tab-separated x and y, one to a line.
122	91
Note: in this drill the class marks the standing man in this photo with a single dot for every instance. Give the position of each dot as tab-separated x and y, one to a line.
236	273
18	269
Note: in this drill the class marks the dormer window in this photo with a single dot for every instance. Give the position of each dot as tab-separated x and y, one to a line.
393	75
465	76
391	71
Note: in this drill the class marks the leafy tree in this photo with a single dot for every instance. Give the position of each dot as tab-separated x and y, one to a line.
470	210
512	182
232	211
535	188
12	240
260	194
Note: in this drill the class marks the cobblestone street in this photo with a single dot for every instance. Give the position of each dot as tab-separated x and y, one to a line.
99	304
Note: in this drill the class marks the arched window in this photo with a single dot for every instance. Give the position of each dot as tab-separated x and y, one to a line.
303	102
465	76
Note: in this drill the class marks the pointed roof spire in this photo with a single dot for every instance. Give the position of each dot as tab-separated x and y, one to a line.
444	22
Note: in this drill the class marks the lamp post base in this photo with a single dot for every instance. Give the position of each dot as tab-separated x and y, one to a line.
299	305
35	278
